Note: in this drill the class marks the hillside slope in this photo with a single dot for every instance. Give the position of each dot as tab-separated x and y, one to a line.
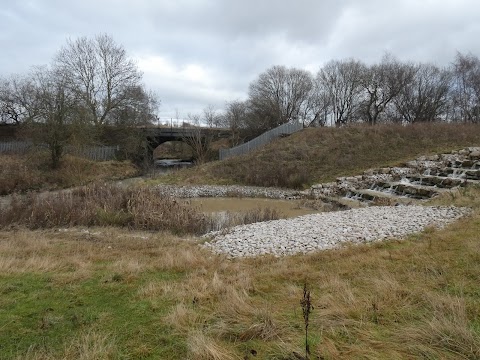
322	154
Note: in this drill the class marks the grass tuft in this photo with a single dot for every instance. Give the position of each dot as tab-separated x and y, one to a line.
203	347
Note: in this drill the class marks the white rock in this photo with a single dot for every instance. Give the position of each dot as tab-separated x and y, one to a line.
327	230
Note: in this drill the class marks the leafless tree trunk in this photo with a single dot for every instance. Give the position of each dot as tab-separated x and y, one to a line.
90	84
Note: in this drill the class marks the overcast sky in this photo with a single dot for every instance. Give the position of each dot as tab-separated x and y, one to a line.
199	52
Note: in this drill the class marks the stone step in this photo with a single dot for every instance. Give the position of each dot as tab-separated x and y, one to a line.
437	181
413	191
459	173
465	164
342	201
359	196
379	197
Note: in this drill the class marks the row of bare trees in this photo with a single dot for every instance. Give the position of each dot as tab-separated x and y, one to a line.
90	84
349	91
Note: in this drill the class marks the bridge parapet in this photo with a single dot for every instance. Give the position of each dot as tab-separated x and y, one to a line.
180	133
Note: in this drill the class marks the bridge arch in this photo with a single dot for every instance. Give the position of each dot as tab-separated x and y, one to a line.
158	136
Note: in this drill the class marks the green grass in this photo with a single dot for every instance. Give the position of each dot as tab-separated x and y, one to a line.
41	316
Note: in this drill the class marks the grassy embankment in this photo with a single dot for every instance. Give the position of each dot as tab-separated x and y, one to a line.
105	293
322	154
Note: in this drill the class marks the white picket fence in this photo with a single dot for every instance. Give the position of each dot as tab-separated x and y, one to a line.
265	138
96	153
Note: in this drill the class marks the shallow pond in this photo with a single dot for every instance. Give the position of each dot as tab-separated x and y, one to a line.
285	208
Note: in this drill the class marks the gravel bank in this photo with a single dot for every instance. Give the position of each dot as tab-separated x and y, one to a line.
329	230
191	191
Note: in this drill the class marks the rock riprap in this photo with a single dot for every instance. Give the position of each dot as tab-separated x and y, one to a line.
322	231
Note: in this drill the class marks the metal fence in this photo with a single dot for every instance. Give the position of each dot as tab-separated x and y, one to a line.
96	153
265	138
15	147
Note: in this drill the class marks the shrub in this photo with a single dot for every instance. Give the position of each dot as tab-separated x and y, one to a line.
99	205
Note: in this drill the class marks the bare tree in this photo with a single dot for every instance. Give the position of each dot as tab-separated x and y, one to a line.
235	119
91	83
426	97
209	115
198	139
466	88
320	104
101	74
140	108
382	83
340	83
55	123
279	95
17	99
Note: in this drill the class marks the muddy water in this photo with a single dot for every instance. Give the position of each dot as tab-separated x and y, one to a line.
285	208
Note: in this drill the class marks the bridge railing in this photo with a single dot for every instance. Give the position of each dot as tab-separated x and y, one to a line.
265	138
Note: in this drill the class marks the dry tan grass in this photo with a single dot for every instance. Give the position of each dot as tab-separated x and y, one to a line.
154	289
183	317
21	253
104	205
138	208
445	333
31	172
203	347
91	345
17	175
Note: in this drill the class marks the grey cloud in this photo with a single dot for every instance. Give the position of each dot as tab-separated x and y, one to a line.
234	40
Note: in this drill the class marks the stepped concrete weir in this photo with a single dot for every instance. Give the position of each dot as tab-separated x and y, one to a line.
417	180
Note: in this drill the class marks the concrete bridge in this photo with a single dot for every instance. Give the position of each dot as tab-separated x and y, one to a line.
158	135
